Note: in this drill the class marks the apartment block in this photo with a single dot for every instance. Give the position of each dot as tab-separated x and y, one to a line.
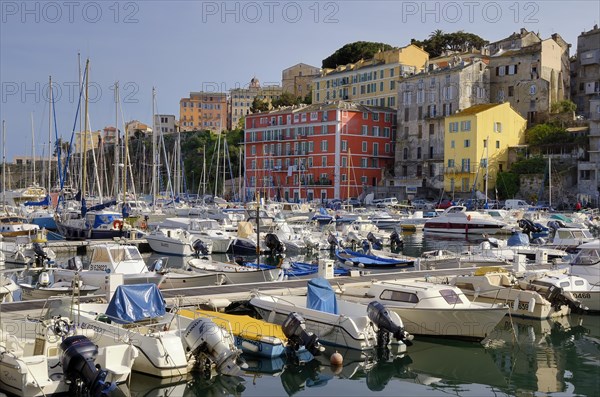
166	123
203	111
476	146
585	71
298	79
321	151
529	73
450	84
240	99
370	82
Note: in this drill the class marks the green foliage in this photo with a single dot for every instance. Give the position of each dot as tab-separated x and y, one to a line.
286	99
259	105
354	52
308	98
507	184
547	134
564	106
532	165
438	42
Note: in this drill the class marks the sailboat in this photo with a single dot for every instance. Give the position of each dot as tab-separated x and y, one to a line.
95	222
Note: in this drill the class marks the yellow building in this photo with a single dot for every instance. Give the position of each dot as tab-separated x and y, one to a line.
298	79
477	136
372	81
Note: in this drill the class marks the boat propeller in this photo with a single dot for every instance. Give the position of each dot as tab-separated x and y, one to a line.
294	328
382	318
78	355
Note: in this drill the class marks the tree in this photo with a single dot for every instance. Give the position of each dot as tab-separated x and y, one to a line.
286	99
547	134
308	98
259	105
438	42
354	52
564	106
507	184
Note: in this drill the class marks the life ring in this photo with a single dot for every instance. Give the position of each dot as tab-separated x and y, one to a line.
117	224
468	217
143	225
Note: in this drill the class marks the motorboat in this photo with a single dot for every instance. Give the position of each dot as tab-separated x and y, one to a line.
256	337
335	322
456	220
7	287
57	359
95	224
497	285
44	289
358	259
15	225
432	309
177	242
205	229
586	263
28	250
169	345
578	292
236	273
568	238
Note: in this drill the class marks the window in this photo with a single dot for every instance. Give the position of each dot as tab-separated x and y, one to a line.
497	144
406	114
364	163
375	149
450	296
419	170
365	116
497	127
404	170
324	146
467	142
365	130
453	127
375	116
450	163
418	153
386	131
466	165
344	145
311	146
420	113
465	125
399	296
452	145
392	85
313	116
324	161
253	150
511	90
364	146
387	147
405	154
344	162
375	131
485	143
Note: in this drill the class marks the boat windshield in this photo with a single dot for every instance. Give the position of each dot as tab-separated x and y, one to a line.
450	296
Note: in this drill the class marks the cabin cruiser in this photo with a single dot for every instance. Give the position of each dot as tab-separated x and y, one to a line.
456	220
16	225
586	263
205	229
177	242
432	309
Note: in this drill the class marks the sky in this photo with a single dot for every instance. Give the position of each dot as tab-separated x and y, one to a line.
183	46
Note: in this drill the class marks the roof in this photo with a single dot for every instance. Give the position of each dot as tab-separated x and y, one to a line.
476	109
333	105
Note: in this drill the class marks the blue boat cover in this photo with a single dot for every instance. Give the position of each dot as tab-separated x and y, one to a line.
44	202
136	302
517	239
321	296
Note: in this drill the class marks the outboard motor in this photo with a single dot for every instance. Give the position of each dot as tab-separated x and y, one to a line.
294	329
199	248
375	242
44	279
553	226
157	266
274	244
366	246
208	342
40	254
396	241
78	356
381	317
75	264
557	298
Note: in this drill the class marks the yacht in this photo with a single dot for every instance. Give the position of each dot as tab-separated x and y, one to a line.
456	220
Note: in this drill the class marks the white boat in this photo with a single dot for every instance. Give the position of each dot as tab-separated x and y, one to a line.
205	229
14	225
176	242
7	287
569	237
39	363
576	290
43	289
137	313
27	250
335	322
432	309
234	273
497	285
456	220
109	258
586	263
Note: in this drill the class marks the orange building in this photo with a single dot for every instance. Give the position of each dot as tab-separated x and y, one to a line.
203	111
321	151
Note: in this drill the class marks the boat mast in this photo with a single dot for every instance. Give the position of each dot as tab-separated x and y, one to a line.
117	143
4	164
50	136
32	151
549	182
487	167
154	142
84	160
217	173
125	163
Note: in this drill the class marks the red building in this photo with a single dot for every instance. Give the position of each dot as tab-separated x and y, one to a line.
322	151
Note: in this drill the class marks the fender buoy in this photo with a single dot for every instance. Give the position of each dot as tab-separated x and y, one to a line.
117	224
468	217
